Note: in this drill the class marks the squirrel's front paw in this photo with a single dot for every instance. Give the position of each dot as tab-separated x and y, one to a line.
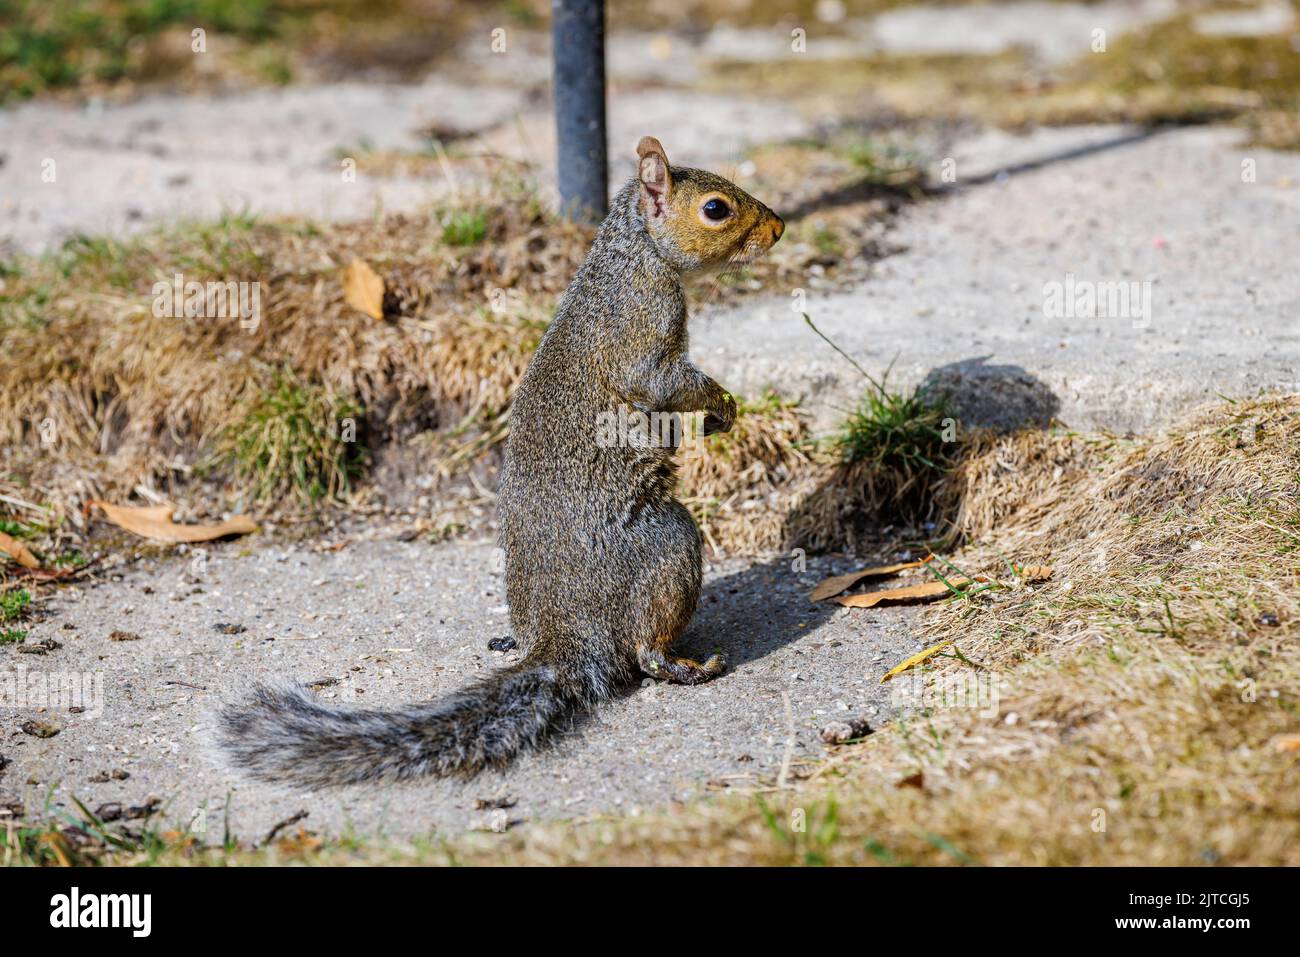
722	417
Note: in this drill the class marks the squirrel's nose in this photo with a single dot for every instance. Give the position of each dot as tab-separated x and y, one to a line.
778	227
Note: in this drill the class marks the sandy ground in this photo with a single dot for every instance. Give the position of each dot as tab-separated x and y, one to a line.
397	622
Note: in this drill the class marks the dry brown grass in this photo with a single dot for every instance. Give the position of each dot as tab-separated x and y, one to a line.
1164	73
1141	690
1140	693
838	506
100	398
1026	475
740	484
99	395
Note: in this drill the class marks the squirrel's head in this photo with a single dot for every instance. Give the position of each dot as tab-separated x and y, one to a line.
696	219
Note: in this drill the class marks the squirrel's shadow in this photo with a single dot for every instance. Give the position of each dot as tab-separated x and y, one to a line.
753	611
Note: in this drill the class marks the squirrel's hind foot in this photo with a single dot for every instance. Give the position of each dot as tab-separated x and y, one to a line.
682	671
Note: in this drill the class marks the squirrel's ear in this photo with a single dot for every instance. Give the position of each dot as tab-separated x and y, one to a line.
656	181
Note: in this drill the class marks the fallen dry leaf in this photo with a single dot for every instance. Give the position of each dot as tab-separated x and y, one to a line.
18	551
1287	742
915	660
916	780
155	521
303	842
833	586
935	589
363	289
906	593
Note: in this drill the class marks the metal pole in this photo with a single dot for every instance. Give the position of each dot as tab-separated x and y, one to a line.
578	52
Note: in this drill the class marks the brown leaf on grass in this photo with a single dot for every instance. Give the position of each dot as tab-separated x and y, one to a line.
935	589
304	842
907	593
18	551
155	521
1036	573
363	289
29	567
916	780
833	586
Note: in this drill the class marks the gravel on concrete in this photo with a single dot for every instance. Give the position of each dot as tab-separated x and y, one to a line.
382	622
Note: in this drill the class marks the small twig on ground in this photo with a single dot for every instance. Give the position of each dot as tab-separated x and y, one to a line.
878	386
19	503
66	575
789	742
287	822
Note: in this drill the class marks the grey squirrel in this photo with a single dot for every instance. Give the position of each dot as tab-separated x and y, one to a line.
602	563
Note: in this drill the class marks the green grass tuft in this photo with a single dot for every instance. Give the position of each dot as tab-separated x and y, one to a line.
14	604
882	163
47	44
296	439
468	228
897	432
19	529
895	451
910	437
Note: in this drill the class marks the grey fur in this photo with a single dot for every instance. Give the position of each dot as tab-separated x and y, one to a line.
602	563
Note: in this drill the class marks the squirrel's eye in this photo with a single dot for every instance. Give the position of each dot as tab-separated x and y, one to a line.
716	210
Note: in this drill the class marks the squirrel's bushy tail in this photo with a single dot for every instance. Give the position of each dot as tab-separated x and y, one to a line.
284	735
